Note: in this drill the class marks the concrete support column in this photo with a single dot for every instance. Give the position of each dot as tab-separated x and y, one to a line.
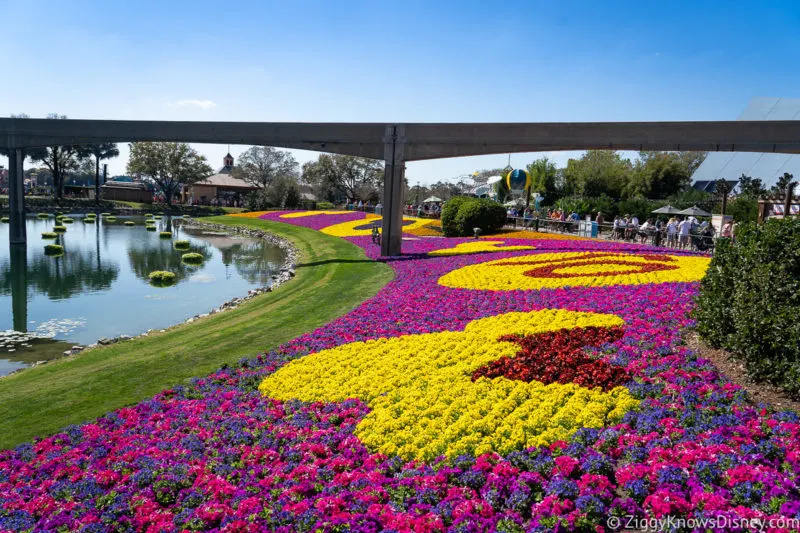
19	286
16	197
394	156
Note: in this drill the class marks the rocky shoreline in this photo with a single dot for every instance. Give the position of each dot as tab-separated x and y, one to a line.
286	272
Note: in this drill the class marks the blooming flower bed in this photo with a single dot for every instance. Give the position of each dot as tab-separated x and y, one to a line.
500	389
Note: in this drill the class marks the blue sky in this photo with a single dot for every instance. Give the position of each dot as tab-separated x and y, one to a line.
410	61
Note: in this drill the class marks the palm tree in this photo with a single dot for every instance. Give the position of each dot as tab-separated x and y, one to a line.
99	151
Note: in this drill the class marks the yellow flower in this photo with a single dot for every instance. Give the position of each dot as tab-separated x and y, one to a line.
475	247
363	227
423	400
568	269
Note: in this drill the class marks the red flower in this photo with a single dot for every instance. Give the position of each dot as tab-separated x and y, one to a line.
558	357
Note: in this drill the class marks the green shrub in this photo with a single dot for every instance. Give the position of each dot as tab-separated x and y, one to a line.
325	205
449	212
130	223
749	301
182	244
4	219
53	249
461	215
161	278
192	258
150	227
60	229
43	216
165	234
49	235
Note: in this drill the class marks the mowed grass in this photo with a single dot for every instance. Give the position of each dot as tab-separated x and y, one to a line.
333	276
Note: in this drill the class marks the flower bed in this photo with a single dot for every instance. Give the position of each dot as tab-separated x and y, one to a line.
560	398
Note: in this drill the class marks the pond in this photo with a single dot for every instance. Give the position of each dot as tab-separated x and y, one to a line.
100	287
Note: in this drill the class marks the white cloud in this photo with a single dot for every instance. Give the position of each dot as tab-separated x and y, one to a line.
202	104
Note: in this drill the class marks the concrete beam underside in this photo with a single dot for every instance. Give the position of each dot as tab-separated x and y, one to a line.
398	143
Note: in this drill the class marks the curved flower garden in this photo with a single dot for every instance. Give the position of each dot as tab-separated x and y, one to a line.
515	383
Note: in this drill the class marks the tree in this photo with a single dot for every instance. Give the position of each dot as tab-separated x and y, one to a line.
783	184
597	172
751	187
99	152
59	159
169	165
543	174
261	165
346	173
691	160
658	175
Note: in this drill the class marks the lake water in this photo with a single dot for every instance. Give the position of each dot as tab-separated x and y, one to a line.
100	287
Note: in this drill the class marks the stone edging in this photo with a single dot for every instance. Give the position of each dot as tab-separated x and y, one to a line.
286	273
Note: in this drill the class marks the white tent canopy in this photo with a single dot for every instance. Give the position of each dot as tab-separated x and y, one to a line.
491	180
432	199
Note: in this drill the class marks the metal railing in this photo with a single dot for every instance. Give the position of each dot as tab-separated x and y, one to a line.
650	236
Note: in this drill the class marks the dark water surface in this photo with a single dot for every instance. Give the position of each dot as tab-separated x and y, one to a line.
100	286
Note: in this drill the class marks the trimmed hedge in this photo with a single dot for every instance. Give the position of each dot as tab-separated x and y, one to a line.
461	215
161	278
192	258
325	205
53	249
749	302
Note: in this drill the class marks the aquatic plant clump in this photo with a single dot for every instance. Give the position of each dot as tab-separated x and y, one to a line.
53	249
130	223
192	258
43	216
161	277
60	229
111	219
165	234
182	244
49	235
4	219
67	220
90	220
150	227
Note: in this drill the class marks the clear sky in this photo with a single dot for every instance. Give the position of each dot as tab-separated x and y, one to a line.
408	61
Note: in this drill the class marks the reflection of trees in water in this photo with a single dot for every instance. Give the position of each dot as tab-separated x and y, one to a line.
255	262
162	256
62	277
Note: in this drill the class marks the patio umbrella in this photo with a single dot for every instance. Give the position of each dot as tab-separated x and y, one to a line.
694	211
432	199
666	210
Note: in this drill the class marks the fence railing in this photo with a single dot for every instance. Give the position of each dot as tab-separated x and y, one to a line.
652	236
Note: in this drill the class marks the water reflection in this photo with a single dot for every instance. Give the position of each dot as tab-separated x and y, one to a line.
164	257
18	282
61	277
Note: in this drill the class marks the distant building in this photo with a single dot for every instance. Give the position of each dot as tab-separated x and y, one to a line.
711	186
221	188
765	166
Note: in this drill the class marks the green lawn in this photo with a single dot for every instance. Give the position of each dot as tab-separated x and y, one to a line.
338	276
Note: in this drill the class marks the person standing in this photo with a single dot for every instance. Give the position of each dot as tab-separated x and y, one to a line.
672	233
684	230
599	219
